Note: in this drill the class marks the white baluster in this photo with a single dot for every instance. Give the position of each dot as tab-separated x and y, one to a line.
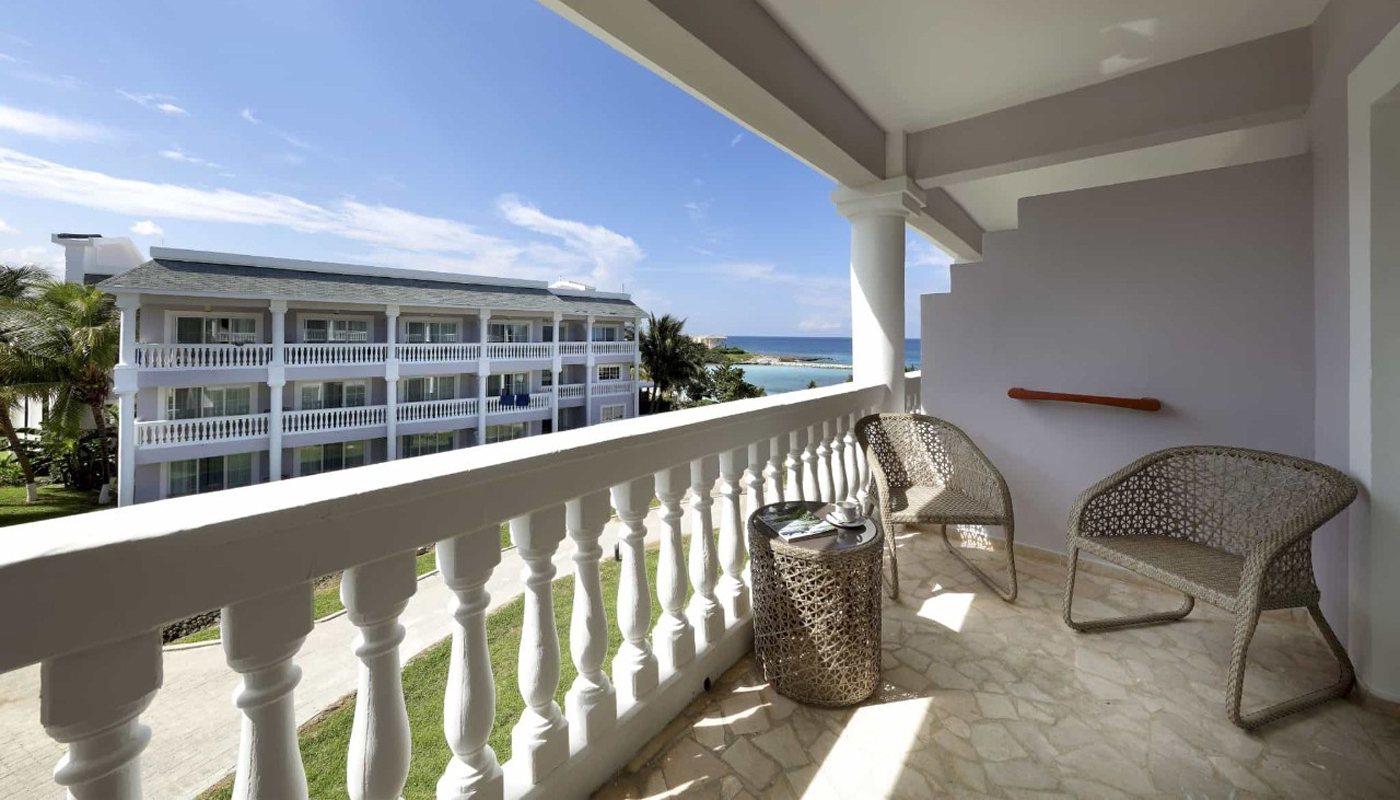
91	701
634	666
811	489
825	482
469	705
732	592
674	637
705	612
754	494
260	638
793	465
540	740
863	468
375	594
838	459
773	471
591	702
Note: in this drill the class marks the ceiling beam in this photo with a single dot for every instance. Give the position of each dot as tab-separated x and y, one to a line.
1243	86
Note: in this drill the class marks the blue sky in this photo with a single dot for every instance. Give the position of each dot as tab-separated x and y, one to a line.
487	137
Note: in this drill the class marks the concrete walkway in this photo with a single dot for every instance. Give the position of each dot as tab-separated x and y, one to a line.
194	723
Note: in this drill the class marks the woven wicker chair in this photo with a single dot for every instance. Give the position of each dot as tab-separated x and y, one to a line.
927	471
1232	527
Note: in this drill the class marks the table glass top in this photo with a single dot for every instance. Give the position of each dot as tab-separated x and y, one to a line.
840	539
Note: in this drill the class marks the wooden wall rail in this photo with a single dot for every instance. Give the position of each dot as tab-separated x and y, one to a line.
1137	404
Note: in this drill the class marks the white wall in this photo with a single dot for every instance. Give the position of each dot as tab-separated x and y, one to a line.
1195	289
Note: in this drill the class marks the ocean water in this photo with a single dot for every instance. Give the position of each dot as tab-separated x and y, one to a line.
829	349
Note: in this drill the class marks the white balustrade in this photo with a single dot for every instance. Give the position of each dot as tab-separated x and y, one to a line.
837	428
260	637
570	391
853	480
100	671
733	594
674	636
863	466
537	400
469	704
825	481
604	388
375	594
811	487
332	419
793	491
509	350
634	666
438	351
540	739
705	612
332	353
613	348
202	356
437	409
591	701
573	348
175	432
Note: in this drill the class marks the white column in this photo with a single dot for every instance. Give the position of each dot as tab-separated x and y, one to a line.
733	594
773	470
391	381
276	381
853	483
705	612
375	594
125	383
557	365
483	371
877	213
91	700
260	638
674	637
540	740
591	703
591	376
634	666
793	465
469	704
837	429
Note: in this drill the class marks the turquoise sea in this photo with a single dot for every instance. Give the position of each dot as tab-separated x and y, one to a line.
828	349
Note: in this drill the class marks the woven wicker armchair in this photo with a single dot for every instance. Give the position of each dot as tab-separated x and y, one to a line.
927	471
1232	527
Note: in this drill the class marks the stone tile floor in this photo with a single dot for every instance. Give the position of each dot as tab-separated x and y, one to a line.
987	699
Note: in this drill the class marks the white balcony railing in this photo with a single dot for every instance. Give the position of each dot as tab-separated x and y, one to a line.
202	356
437	409
571	390
332	353
255	552
443	351
538	400
573	348
332	419
502	350
603	388
170	433
613	348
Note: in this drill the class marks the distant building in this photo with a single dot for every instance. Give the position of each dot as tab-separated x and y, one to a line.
710	341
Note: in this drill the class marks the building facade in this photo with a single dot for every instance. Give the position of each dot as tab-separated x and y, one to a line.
242	369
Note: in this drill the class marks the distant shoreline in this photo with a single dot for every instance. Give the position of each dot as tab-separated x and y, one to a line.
764	360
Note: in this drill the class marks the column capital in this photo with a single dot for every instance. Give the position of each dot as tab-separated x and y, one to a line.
894	197
277	306
128	302
391	310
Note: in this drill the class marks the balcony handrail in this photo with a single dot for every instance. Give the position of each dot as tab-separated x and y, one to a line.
438	351
310	420
197	430
157	355
419	410
330	353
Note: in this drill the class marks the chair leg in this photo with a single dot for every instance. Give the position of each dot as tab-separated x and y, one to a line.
1245	624
1112	623
1007	593
894	561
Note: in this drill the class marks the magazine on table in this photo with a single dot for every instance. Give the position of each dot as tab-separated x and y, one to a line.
794	521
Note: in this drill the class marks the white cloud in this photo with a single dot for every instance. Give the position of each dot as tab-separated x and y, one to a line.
147	227
698	210
176	154
824	302
738	137
34	123
152	100
6	57
46	256
6	227
568	248
928	266
294	159
248	116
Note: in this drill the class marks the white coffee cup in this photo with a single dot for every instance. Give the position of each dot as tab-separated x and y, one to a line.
845	511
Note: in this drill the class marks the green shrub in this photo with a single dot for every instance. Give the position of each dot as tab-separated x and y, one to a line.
10	473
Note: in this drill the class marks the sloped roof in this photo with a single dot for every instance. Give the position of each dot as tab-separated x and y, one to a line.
168	276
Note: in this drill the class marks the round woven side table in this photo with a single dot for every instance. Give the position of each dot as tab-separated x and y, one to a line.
816	610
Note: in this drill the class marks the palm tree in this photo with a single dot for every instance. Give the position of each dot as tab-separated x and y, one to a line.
670	358
21	377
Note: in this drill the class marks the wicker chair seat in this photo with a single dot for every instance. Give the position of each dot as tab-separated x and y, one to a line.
942	504
1200	571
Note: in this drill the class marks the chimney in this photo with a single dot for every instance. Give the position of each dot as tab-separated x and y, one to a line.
80	254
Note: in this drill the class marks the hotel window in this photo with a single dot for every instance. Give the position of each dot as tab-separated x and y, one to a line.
507	383
201	475
609	372
331	457
547	333
605	333
417	332
611	413
505	433
333	394
215	330
417	390
508	332
208	401
424	444
334	330
546	379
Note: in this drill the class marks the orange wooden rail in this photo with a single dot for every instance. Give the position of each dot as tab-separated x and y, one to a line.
1137	404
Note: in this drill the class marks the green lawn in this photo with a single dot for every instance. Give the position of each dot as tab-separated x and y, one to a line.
324	743
54	501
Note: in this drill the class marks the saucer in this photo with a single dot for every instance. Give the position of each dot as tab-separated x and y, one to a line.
859	523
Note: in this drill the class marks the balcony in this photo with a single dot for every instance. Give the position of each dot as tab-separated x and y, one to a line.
422	411
334	353
202	356
606	388
332	419
177	432
234	356
442	351
519	350
537	401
